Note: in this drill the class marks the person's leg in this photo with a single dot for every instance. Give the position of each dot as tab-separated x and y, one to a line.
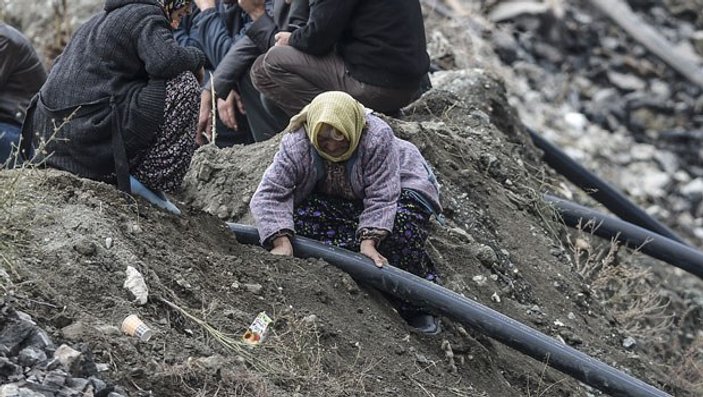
405	249
330	220
165	163
9	138
291	78
263	122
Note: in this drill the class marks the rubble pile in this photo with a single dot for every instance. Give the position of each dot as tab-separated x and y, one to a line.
32	366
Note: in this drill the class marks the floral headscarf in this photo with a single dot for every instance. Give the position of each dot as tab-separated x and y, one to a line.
337	109
173	5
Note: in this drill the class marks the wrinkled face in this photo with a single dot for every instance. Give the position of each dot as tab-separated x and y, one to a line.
332	141
177	15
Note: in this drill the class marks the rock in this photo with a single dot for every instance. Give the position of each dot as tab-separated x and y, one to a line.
495	297
213	363
480	280
14	334
629	343
86	248
30	356
697	41
310	320
486	255
74	332
108	242
77	384
55	379
626	82
68	357
693	190
253	288
98	385
9	391
8	368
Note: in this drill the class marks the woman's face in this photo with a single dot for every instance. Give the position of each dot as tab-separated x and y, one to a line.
332	141
177	15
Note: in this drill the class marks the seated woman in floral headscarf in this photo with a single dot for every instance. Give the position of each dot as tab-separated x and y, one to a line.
342	177
127	96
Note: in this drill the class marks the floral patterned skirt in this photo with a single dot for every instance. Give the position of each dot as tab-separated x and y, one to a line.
165	163
333	221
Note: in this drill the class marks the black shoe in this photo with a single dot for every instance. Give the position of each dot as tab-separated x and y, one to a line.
424	323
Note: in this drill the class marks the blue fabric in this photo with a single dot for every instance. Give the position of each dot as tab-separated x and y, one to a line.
9	135
156	198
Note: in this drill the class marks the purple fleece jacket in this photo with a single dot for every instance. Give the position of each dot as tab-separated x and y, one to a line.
383	165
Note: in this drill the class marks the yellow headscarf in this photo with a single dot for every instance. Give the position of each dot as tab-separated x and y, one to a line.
337	109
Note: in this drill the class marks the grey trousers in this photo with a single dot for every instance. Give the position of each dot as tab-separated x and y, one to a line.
291	79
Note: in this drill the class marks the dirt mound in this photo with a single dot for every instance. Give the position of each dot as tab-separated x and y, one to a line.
72	240
65	244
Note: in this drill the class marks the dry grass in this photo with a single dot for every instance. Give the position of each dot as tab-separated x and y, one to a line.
632	295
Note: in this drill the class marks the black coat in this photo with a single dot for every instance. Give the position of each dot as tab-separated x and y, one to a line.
21	74
382	43
114	71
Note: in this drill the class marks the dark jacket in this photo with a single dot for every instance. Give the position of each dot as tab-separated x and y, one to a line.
21	74
259	38
116	64
382	43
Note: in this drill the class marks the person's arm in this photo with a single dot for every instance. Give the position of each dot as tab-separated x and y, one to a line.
162	56
272	203
210	30
328	19
262	33
231	69
381	177
7	60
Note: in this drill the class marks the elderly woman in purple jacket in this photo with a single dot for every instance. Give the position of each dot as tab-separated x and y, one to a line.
341	177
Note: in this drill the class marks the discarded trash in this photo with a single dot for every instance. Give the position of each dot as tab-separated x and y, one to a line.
133	326
257	330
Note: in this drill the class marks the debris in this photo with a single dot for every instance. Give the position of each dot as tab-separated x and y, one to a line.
253	288
257	330
136	285
134	326
621	13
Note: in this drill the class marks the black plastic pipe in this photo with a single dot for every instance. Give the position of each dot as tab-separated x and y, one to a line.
650	243
442	301
599	189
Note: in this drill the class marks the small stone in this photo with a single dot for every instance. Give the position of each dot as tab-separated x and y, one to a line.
558	323
240	360
102	367
486	255
74	332
571	316
480	279
108	242
98	384
77	384
629	342
253	288
309	320
9	391
421	358
495	297
86	248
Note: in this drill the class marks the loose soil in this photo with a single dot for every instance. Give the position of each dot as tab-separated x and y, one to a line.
66	243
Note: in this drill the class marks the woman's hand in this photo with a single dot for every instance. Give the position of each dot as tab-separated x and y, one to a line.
368	248
282	246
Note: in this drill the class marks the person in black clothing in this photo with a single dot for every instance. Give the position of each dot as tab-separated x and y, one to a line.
125	97
373	50
21	76
214	30
232	79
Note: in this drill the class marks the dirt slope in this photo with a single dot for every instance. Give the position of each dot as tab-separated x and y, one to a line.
72	239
